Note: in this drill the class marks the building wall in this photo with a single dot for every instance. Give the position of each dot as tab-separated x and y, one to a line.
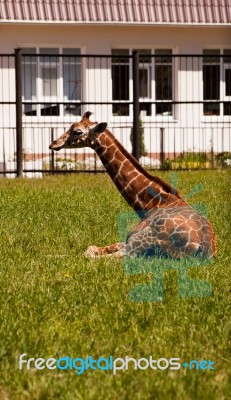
100	40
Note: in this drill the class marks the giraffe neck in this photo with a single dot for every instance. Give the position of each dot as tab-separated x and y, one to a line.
141	190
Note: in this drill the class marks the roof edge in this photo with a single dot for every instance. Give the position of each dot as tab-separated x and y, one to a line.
114	23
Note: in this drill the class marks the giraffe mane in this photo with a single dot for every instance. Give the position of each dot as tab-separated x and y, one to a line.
167	188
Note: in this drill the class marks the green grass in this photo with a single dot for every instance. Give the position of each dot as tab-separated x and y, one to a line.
55	302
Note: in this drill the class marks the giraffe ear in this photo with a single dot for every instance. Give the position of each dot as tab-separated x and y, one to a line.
98	128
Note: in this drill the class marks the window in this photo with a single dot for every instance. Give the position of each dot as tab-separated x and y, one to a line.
120	82
145	79
72	82
217	82
155	81
163	73
51	82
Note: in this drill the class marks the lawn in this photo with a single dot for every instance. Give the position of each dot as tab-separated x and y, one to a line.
57	303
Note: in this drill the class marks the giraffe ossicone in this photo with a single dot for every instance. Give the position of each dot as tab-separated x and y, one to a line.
169	225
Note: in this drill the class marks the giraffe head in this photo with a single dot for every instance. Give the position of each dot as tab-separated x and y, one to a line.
80	134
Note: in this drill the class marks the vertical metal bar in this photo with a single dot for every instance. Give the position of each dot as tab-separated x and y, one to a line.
4	154
18	89
162	147
223	148
174	136
52	167
212	151
136	128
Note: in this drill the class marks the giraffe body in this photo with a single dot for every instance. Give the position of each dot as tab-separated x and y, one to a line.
169	225
172	232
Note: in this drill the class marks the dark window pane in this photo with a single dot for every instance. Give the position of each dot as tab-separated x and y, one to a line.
50	51
211	56
143	83
211	109
72	109
71	51
29	58
29	74
147	56
49	81
120	109
163	56
50	54
164	109
121	56
29	50
49	109
227	56
228	82
29	80
29	109
163	82
227	108
71	60
146	108
72	81
120	82
211	84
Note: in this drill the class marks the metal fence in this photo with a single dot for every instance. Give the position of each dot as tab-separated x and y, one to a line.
170	111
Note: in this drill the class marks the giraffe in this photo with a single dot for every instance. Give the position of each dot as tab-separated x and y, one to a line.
169	225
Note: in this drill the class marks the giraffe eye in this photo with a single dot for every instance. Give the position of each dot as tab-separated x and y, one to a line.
78	132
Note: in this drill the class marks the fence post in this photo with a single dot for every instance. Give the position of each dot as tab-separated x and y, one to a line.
212	151
18	89
136	127
52	166
162	147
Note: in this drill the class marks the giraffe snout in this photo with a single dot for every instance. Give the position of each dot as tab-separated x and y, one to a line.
55	146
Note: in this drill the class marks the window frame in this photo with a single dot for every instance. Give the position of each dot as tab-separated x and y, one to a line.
151	84
56	100
223	66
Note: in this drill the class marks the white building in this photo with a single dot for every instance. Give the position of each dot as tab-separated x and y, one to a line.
184	72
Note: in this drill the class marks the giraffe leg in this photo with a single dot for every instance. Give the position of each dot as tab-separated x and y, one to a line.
96	252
